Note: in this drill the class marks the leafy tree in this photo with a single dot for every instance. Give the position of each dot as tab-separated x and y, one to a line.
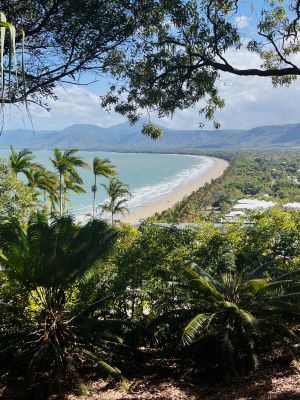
112	278
144	263
171	53
184	46
48	260
16	198
118	194
67	37
274	239
65	163
101	167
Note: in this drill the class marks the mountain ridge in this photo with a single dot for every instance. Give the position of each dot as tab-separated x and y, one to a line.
124	135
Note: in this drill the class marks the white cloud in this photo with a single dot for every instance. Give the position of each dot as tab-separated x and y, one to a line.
242	21
75	105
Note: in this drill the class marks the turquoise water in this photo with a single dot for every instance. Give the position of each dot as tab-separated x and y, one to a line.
149	176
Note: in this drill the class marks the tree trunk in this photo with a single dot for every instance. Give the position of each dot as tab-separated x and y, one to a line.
94	197
60	195
64	198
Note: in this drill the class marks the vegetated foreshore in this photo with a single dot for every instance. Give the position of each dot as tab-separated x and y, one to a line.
169	200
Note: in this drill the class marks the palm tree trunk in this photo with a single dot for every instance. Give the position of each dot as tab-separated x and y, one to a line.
94	197
60	195
64	198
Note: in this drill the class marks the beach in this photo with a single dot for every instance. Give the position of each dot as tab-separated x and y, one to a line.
169	200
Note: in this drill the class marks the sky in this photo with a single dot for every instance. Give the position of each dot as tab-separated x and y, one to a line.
250	101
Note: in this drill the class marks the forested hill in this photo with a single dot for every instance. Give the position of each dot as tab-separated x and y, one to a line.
124	136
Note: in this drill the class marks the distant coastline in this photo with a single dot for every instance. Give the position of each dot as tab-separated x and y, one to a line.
169	200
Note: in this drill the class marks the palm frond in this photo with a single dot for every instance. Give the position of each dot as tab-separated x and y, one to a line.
201	283
193	327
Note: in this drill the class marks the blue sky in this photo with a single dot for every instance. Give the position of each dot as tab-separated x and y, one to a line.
250	101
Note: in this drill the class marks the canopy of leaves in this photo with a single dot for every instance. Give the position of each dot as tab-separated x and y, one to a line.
67	37
183	46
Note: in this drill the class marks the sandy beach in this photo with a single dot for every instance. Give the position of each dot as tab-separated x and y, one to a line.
170	199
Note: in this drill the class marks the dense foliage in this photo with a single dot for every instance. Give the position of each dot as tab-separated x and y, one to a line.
77	301
47	261
16	198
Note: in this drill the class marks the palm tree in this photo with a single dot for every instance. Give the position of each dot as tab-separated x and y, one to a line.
22	162
101	167
48	260
44	180
72	182
65	163
237	309
118	194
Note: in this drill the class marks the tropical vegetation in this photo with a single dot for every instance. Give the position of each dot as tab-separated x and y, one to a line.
79	301
65	164
101	167
118	194
47	261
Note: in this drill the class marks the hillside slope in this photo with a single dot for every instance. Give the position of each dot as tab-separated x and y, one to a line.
124	135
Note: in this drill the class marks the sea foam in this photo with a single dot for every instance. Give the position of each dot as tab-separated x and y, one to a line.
150	193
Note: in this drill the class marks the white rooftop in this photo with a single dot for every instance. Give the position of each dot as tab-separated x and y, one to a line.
253	204
294	205
233	214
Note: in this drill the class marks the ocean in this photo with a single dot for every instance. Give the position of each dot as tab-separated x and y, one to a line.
149	176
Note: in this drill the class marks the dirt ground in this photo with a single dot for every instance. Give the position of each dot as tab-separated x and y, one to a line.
267	384
161	379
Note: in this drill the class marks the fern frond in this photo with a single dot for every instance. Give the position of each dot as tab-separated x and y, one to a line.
193	327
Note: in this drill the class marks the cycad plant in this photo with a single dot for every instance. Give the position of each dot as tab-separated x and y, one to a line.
48	260
66	163
101	167
238	310
118	194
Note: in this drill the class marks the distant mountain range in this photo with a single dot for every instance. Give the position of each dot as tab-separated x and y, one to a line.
126	136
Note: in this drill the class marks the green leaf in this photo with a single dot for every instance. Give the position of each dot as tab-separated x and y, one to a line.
255	286
153	131
202	283
193	327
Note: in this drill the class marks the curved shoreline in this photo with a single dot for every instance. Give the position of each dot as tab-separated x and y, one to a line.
169	200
